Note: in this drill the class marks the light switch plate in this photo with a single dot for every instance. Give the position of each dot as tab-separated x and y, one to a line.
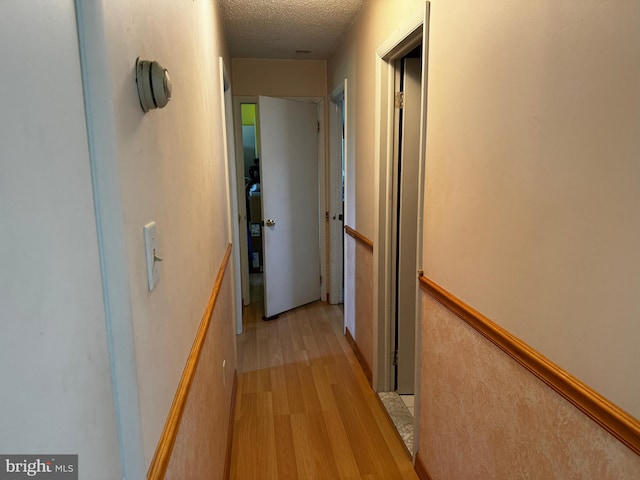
151	249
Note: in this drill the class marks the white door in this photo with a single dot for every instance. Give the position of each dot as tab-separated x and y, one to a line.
288	132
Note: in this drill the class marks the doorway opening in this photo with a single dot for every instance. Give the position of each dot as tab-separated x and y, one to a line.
399	401
401	105
404	226
283	198
253	200
336	212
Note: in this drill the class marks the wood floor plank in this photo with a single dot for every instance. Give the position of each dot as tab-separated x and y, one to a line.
323	388
264	405
279	391
314	456
283	329
264	359
311	347
304	408
294	388
308	389
286	460
256	381
340	445
370	454
333	373
301	357
266	456
246	407
296	324
275	352
242	462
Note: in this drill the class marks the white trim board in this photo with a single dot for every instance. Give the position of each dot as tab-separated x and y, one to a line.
228	138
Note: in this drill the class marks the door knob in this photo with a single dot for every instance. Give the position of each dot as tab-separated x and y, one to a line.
270	223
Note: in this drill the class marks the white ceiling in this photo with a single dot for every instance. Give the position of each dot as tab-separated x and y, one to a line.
277	28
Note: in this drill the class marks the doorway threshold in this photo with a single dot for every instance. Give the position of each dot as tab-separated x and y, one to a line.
400	415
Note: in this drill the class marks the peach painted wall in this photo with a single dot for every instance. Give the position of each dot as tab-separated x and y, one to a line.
201	443
483	416
364	302
279	78
350	284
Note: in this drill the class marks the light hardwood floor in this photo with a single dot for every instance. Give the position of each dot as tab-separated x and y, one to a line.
304	409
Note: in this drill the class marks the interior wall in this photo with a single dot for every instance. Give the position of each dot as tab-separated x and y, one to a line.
354	59
172	171
350	285
279	78
531	215
532	211
364	331
201	443
56	380
539	168
249	135
483	415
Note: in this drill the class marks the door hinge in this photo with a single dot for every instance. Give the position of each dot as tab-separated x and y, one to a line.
318	127
399	100
320	279
395	358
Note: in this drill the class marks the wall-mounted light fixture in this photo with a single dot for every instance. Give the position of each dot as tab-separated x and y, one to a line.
154	84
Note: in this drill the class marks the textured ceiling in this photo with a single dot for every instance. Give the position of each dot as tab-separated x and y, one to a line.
277	28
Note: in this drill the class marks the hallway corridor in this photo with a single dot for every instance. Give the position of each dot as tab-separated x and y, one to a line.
304	409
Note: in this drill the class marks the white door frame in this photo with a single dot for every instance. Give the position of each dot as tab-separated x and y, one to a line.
408	36
322	202
322	191
337	151
228	137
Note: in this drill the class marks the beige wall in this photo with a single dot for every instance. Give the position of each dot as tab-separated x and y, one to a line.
532	201
279	78
172	170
